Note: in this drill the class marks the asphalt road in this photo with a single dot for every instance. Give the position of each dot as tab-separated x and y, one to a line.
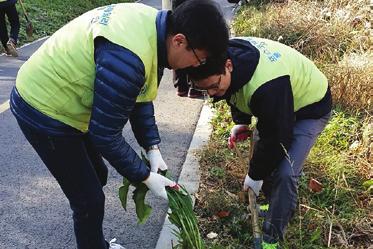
34	213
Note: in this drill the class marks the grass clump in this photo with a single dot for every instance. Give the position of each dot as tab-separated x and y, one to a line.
351	82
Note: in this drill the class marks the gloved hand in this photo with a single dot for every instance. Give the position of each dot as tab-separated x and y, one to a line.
254	185
158	183
156	160
238	133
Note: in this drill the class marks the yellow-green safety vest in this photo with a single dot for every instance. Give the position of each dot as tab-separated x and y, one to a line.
58	79
308	83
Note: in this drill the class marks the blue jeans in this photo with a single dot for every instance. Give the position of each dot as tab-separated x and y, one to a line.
77	166
281	188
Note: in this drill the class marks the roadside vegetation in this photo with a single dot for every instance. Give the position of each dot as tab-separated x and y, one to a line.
48	16
338	36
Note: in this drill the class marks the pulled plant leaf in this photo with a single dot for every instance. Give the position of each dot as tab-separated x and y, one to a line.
143	210
183	217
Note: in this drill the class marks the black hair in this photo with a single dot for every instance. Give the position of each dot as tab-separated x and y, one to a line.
203	24
176	3
213	66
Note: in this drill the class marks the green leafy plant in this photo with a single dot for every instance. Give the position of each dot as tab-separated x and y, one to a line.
217	172
368	185
183	217
143	210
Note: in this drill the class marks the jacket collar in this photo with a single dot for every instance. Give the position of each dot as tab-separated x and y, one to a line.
161	26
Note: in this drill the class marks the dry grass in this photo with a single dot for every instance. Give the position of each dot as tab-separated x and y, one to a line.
336	34
361	150
323	30
351	81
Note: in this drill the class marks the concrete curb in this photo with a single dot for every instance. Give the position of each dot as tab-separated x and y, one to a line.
190	174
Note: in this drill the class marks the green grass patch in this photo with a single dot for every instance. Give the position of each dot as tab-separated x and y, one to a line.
48	16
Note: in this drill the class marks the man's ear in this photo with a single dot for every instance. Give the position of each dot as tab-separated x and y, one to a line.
229	65
179	40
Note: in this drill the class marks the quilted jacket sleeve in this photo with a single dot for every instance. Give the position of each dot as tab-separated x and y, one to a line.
119	78
143	124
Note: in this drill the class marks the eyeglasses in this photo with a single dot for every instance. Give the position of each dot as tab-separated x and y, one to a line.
215	85
201	62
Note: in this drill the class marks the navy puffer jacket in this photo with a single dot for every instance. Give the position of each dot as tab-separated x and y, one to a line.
119	78
120	74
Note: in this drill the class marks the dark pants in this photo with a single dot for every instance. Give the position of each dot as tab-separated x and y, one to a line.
181	81
77	166
281	188
12	14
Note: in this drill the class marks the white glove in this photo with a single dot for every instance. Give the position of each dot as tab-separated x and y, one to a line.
156	160
158	183
238	133
254	185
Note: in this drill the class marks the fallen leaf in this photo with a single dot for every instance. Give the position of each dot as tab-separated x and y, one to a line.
314	185
223	214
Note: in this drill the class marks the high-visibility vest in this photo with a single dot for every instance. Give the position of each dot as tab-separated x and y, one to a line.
58	79
308	83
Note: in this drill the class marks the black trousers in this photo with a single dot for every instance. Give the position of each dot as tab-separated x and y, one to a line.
12	14
77	166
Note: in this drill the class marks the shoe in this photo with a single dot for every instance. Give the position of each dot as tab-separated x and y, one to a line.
182	89
113	245
266	245
7	53
11	48
181	83
182	93
195	94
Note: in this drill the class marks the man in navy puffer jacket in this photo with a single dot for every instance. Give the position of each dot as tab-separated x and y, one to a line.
78	90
